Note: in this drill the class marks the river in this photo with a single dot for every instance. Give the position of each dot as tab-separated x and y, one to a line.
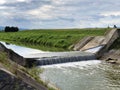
82	75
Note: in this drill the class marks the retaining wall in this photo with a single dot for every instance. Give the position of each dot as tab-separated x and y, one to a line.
17	58
82	43
109	39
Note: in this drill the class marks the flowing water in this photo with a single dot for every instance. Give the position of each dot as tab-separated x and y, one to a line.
80	75
83	75
23	51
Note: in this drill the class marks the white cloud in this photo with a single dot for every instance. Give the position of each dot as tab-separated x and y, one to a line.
60	13
110	20
58	2
42	12
3	7
21	0
2	1
114	13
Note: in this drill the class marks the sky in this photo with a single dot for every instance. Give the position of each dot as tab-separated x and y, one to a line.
34	14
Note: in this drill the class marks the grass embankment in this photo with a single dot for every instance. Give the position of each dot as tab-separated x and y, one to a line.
53	40
13	67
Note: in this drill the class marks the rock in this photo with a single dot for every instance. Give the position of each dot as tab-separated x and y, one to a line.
112	61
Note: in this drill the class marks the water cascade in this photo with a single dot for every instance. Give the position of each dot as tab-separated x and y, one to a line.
47	58
64	59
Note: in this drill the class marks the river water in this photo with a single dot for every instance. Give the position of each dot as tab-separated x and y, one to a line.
82	75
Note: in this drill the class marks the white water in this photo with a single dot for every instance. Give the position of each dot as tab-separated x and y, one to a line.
80	64
94	50
83	75
23	51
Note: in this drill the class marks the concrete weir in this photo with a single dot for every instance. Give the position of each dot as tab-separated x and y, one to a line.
44	58
62	57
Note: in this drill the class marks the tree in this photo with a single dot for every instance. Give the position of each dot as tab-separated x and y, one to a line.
7	29
16	29
108	26
11	29
115	26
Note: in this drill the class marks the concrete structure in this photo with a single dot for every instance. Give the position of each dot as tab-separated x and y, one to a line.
11	82
109	40
46	58
104	41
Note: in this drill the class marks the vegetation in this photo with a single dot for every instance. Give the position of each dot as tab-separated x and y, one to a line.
11	29
3	59
61	39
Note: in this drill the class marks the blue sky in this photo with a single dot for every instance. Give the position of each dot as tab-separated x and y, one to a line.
59	13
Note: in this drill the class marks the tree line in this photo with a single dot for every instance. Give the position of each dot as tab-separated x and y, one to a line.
11	29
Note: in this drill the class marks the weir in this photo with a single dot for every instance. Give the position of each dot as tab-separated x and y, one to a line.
57	60
28	57
63	57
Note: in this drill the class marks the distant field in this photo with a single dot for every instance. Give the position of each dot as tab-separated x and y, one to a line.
49	39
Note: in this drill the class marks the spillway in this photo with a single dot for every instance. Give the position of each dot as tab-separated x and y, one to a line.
61	57
39	57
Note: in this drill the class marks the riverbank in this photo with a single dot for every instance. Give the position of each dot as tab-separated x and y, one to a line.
112	56
113	53
28	77
8	81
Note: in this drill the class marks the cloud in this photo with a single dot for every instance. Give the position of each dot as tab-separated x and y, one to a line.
41	12
21	0
114	13
2	1
59	13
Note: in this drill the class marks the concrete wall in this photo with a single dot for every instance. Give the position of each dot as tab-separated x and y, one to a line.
91	42
82	43
10	82
17	58
26	78
109	39
119	32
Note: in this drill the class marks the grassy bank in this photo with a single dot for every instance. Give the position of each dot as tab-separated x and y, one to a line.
53	40
13	67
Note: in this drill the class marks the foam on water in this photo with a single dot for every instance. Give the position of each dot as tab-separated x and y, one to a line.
94	50
79	64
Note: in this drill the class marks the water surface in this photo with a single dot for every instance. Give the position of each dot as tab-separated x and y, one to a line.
83	75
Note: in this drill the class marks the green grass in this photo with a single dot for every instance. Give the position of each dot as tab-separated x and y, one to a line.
3	59
53	40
